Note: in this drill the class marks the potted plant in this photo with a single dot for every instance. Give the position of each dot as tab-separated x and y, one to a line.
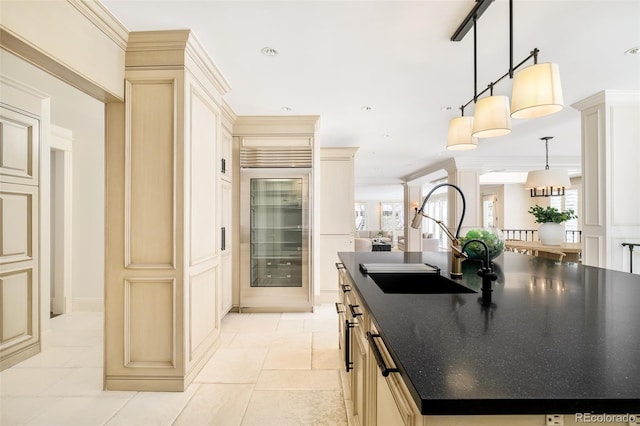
552	223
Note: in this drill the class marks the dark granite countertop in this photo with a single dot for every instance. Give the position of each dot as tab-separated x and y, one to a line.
558	338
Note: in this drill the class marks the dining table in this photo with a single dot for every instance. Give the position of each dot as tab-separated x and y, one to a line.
572	251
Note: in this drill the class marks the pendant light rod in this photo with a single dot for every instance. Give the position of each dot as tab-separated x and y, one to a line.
533	54
546	147
465	26
475	59
510	38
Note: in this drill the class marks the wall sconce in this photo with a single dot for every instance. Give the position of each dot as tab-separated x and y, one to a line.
547	182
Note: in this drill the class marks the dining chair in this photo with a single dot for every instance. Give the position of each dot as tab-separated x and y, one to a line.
550	254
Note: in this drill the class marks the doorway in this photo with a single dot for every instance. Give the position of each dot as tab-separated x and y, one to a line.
61	214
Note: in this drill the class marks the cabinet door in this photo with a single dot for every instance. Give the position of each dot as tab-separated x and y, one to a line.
226	143
337	215
19	236
392	402
387	411
358	376
226	282
330	246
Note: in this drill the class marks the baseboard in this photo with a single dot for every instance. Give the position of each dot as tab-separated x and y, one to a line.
88	304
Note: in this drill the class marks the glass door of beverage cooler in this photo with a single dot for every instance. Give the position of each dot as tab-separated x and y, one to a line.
274	246
276	232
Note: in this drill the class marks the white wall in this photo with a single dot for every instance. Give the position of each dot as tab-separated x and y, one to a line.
516	205
84	116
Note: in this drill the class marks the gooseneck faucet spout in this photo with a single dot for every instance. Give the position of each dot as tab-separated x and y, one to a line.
457	254
485	272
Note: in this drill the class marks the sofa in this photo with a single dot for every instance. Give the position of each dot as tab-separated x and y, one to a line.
387	237
429	243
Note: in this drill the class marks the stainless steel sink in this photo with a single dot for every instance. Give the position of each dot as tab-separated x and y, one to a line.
417	283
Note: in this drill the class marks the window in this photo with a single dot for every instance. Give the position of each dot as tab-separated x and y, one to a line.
361	216
392	216
437	208
569	201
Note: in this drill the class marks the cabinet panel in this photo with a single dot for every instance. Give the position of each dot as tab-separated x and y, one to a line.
149	322
330	245
19	146
150	175
202	177
337	205
226	158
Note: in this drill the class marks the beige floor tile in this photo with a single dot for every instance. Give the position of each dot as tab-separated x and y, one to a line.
299	380
296	407
289	326
250	323
153	408
216	404
80	382
287	358
19	410
79	411
30	381
326	359
325	339
233	366
251	340
322	324
292	340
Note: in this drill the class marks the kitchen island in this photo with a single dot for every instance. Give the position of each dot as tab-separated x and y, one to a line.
559	338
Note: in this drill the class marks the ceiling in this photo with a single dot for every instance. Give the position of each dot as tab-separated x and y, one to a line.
395	57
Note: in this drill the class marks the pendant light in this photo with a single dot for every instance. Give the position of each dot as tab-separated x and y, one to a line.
547	182
536	91
492	116
459	137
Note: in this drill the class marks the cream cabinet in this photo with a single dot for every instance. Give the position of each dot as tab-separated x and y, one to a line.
355	350
164	253
376	393
19	235
337	217
226	263
226	157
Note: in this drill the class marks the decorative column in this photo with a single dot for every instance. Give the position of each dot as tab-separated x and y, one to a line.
412	200
610	205
469	182
163	245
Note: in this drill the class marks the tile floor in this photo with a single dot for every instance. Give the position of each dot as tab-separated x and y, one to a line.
271	369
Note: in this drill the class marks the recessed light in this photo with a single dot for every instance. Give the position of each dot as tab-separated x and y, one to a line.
366	108
386	135
446	108
286	108
269	51
633	51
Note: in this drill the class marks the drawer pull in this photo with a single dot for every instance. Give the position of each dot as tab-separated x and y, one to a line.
348	364
345	288
339	265
338	308
376	352
352	308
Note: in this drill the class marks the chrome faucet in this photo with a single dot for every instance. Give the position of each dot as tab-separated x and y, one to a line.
457	254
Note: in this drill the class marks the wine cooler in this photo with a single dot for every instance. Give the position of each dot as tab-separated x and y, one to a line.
274	240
